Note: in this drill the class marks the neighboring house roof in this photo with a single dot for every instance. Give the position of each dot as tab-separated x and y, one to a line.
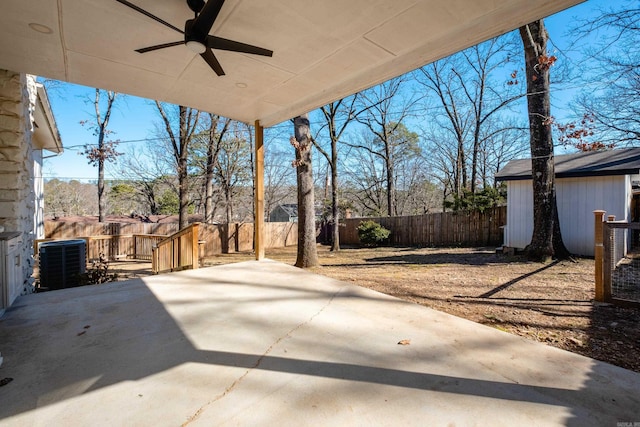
289	209
592	163
45	132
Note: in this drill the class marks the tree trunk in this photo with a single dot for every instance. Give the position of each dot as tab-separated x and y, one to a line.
537	64
183	194
101	200
307	252
228	204
391	188
183	184
212	155
103	154
213	149
335	211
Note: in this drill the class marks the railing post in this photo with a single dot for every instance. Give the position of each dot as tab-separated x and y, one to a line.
598	252
154	260
195	258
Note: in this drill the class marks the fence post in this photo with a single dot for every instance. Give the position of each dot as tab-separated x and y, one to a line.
599	215
608	235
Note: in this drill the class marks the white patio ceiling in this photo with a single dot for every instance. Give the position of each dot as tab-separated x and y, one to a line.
323	49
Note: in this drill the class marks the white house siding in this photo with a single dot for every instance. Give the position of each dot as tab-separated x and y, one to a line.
38	184
577	199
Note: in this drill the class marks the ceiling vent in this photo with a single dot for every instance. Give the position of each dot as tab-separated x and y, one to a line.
62	262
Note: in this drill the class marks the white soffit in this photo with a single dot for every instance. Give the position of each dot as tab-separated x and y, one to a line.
323	50
45	132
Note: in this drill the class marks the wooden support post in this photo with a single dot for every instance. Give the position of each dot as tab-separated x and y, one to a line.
258	224
599	215
195	236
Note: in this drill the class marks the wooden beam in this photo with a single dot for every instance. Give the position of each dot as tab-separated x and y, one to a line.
258	225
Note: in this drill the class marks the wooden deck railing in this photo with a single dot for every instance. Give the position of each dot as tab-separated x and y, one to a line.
177	252
116	247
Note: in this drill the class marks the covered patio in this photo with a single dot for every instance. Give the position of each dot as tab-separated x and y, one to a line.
320	51
263	343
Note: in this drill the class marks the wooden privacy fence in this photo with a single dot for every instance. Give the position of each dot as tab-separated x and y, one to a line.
436	229
74	230
177	252
134	240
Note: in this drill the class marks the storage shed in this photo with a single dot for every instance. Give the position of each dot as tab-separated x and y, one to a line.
586	181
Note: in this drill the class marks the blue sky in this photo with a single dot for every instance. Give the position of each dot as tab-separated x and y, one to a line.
134	119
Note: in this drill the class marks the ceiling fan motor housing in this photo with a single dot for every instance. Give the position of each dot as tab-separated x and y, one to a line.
195	5
194	41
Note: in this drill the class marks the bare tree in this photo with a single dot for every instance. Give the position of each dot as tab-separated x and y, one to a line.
546	240
611	101
280	181
468	100
204	155
148	174
307	252
186	127
104	150
337	116
232	169
384	119
365	178
73	197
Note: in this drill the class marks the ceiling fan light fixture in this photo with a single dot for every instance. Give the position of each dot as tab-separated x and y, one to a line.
196	46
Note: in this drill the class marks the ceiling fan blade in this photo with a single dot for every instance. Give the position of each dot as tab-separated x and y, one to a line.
211	59
204	21
226	44
159	46
150	15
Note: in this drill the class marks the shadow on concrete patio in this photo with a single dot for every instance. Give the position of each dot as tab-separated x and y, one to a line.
266	343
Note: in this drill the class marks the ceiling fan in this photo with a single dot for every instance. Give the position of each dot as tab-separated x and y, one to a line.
196	33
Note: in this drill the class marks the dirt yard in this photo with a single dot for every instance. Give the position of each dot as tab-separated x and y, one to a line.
550	303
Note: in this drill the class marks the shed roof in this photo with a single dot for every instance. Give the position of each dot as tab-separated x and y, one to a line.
323	50
593	163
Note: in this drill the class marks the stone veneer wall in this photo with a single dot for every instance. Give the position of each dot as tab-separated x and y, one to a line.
18	96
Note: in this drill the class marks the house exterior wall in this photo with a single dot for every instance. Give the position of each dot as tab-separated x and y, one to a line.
577	199
18	95
38	185
280	215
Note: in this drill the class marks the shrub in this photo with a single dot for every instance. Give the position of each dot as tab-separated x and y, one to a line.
372	234
98	273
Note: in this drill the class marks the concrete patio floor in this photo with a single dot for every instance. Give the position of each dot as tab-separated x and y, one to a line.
263	343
